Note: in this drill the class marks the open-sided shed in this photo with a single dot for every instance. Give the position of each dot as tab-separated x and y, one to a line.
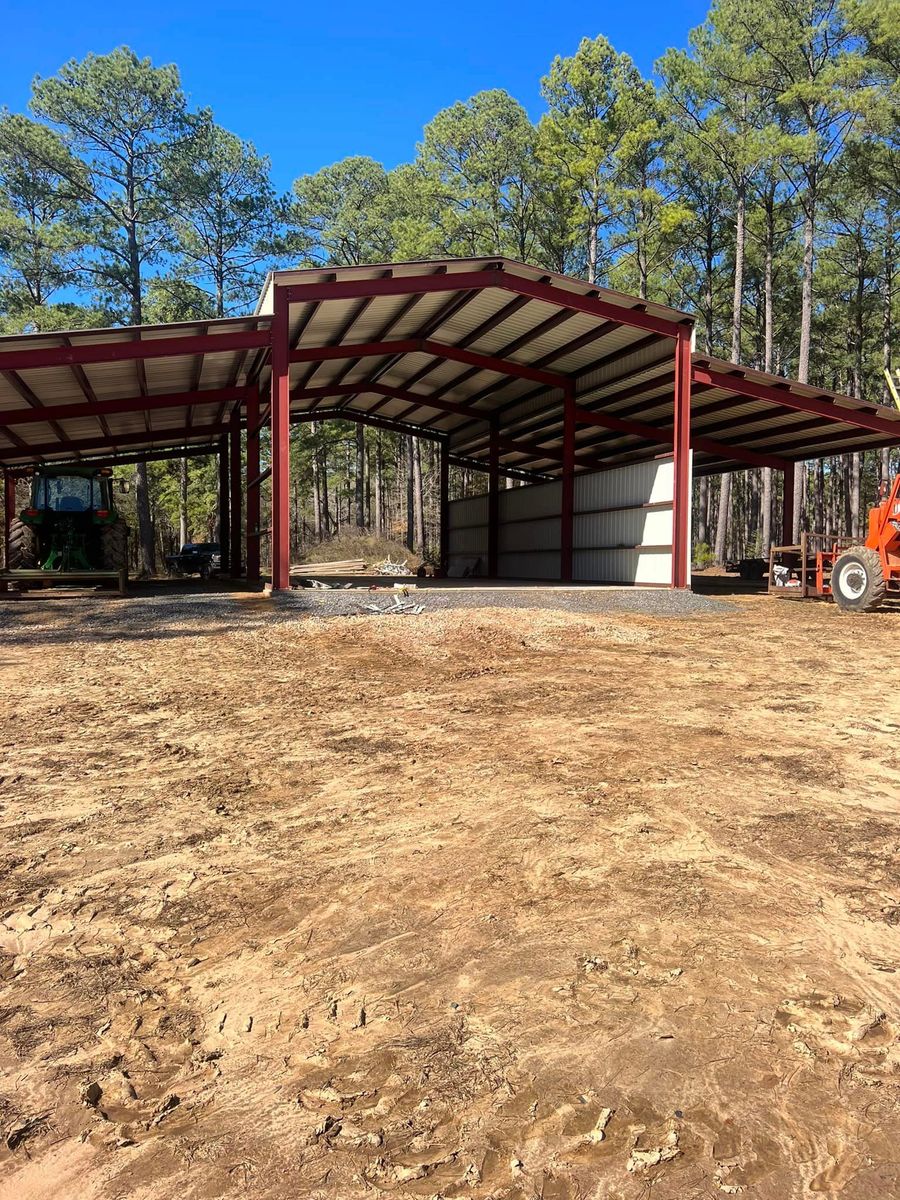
511	369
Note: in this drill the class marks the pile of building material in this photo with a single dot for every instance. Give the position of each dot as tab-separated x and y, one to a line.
347	566
399	606
389	567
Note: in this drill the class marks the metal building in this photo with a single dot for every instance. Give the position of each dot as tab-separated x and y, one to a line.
593	396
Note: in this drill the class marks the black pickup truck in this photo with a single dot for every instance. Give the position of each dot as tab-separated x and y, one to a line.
196	558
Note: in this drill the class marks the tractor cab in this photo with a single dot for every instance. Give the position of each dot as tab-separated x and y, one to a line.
71	523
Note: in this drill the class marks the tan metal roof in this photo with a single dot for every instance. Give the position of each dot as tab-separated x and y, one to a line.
416	345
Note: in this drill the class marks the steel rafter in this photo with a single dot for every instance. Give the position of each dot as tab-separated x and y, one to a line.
99	408
104	352
778	394
169	438
497	277
446	312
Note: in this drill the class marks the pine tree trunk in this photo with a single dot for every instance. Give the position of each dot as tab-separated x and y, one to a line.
316	489
360	477
703	511
721	547
379	485
182	502
418	499
806	306
410	527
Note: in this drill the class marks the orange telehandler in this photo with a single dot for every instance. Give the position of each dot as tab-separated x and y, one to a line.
859	578
862	577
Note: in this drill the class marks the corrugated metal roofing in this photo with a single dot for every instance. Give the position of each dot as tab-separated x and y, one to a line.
615	366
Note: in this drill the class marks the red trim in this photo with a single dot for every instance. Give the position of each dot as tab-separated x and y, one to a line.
100	352
281	461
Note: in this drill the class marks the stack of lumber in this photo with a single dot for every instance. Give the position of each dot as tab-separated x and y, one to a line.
348	566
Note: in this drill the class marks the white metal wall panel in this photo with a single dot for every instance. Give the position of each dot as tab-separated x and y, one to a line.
622	529
536	500
542	534
471	511
623	566
626	527
534	565
639	483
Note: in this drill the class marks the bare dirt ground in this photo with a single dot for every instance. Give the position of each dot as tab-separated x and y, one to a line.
488	903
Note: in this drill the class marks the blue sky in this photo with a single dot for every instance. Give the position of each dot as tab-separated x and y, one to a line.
313	83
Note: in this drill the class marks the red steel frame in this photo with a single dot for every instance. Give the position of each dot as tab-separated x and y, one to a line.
224	431
280	416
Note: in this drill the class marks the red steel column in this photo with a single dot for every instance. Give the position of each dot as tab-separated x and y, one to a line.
788	476
567	505
681	501
493	500
281	459
445	505
253	492
235	490
224	506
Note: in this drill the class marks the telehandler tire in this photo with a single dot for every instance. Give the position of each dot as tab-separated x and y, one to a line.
22	547
857	581
114	546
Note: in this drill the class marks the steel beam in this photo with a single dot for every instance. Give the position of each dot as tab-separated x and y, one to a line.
681	445
496	277
819	406
483	362
168	438
253	496
281	459
129	404
104	352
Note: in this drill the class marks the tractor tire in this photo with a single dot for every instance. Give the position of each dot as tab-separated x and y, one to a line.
114	546
857	580
22	547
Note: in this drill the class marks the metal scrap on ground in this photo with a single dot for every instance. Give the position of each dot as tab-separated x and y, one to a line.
398	606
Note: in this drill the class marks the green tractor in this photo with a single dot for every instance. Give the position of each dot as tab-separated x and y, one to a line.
71	524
